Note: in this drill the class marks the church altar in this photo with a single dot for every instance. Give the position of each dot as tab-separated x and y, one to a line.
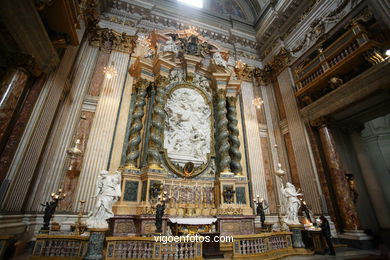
191	226
183	140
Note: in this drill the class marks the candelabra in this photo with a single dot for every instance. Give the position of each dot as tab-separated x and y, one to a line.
50	208
261	207
160	209
79	226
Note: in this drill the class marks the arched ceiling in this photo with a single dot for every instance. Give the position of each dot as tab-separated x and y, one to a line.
246	10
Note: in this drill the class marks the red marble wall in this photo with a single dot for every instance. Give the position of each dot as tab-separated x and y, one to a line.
291	161
13	141
98	75
72	174
279	100
269	173
82	132
12	86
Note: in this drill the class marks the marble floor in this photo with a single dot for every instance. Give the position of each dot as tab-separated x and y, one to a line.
343	253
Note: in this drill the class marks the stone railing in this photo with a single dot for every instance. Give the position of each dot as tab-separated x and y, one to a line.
276	244
147	248
60	247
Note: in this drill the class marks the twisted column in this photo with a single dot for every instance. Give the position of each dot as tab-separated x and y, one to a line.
234	151
132	153
157	129
223	145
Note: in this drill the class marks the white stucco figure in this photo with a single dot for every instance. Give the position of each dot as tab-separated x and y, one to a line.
108	191
187	132
219	60
292	204
170	46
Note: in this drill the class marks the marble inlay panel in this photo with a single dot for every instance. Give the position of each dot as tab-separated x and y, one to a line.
72	176
269	174
98	78
291	161
12	86
21	123
279	100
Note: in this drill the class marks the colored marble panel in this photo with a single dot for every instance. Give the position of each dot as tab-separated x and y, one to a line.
291	161
279	100
72	176
11	89
269	174
240	195
143	192
131	191
98	74
20	125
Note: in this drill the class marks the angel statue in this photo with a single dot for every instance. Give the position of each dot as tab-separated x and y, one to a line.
170	46
293	204
219	60
107	193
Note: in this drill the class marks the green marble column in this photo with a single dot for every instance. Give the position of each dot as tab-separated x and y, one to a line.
157	129
132	153
235	164
223	145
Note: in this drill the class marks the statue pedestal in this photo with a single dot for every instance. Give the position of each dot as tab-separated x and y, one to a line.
297	235
96	244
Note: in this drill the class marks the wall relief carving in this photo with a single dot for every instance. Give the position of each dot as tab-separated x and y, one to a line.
188	129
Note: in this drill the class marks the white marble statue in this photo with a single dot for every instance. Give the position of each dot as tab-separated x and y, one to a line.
170	46
292	204
219	60
108	191
187	132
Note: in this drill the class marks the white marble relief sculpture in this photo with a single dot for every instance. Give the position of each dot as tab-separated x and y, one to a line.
176	76
219	60
292	204
170	46
202	82
108	191
187	130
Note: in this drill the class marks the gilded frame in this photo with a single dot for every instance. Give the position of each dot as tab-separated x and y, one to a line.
200	169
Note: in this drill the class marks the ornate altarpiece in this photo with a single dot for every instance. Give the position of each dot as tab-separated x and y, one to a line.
183	139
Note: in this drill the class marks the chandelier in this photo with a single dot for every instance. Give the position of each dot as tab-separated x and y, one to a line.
110	71
257	102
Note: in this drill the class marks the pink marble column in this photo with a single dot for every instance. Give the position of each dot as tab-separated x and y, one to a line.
11	89
344	198
11	145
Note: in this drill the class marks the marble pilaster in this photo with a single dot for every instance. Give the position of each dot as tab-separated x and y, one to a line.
299	142
100	141
20	174
255	155
340	185
55	161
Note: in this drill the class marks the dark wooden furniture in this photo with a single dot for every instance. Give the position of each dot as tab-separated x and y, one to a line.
211	249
